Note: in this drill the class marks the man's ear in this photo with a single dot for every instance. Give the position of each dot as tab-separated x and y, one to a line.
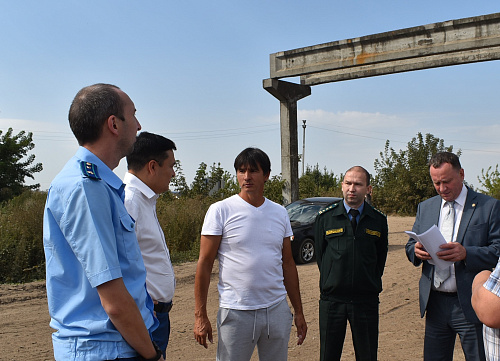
111	124
152	166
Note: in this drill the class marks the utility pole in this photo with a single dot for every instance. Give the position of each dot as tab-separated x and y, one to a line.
303	145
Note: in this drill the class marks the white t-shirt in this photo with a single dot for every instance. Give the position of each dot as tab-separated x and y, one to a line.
140	201
250	252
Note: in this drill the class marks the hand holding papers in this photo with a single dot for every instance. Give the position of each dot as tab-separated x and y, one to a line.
431	240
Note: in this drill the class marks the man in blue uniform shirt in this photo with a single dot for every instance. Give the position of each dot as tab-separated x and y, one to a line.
96	290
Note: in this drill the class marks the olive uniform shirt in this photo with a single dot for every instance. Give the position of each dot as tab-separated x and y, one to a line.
351	265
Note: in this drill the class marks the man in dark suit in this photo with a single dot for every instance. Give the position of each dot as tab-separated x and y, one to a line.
473	245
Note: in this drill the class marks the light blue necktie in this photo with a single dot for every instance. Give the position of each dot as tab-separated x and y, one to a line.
447	229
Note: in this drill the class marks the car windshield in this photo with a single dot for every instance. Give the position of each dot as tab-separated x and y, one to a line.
303	212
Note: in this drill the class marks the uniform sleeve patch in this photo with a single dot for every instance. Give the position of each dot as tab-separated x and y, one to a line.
373	233
334	231
89	170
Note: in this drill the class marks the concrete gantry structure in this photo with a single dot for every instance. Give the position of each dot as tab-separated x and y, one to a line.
446	43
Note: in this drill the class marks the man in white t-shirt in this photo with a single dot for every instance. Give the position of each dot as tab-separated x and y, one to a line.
251	237
150	169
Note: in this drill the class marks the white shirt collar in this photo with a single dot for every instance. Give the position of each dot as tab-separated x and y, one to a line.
131	179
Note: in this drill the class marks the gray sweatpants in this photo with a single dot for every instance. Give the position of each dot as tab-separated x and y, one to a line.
268	328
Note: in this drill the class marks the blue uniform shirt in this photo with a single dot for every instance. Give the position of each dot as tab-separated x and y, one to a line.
360	209
89	239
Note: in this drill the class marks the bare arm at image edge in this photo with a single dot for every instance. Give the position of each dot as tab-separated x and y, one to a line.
485	303
291	280
209	246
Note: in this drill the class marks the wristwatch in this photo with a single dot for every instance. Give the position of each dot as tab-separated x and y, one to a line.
155	358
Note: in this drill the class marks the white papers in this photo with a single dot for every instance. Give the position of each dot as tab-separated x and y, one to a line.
431	240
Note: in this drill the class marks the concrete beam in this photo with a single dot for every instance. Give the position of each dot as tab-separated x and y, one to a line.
440	44
399	66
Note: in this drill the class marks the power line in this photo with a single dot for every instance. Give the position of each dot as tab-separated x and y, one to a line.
396	134
235	134
352	134
60	136
219	130
44	135
397	141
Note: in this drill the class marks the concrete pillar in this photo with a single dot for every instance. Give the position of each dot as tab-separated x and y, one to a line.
288	94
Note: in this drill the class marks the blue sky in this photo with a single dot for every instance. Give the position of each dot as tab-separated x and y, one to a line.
194	70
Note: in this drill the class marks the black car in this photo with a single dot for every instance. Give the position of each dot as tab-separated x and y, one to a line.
302	215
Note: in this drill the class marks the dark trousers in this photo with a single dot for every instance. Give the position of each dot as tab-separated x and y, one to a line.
162	333
363	320
443	321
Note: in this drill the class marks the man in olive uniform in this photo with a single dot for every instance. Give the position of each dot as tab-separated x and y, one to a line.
351	245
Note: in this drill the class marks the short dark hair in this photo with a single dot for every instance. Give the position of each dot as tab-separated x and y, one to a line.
90	109
440	158
253	157
149	146
361	169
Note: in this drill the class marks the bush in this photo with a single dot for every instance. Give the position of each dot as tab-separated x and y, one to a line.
21	244
181	220
490	180
22	256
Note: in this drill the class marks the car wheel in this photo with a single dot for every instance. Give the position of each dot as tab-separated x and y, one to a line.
306	251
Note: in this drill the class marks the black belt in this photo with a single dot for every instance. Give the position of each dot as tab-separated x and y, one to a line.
448	294
163	307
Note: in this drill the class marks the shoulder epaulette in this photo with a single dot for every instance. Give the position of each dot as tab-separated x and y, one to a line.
330	207
378	211
89	170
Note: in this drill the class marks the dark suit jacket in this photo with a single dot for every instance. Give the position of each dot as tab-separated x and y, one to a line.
479	233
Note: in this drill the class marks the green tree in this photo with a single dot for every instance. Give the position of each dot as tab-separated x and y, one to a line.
273	189
402	178
317	183
13	169
215	183
178	183
221	183
490	180
199	187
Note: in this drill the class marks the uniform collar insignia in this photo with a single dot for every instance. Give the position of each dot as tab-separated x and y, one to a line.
89	170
